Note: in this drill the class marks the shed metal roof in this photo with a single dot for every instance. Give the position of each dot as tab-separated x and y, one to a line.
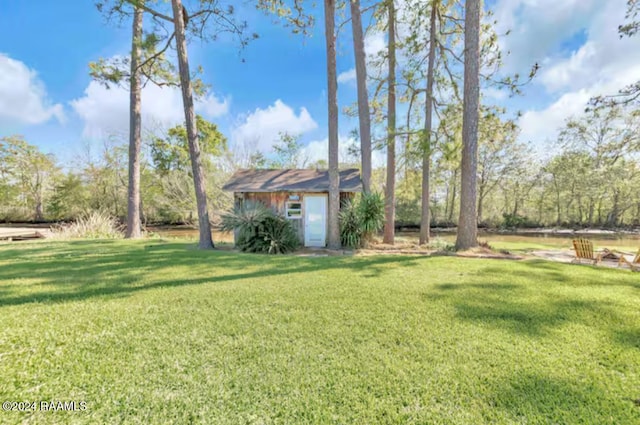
295	180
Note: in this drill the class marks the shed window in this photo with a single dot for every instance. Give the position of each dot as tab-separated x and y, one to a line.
294	210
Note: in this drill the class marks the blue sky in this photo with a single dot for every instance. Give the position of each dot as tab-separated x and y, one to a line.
46	93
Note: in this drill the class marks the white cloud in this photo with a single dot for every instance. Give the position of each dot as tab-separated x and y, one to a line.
106	111
23	97
262	127
347	76
538	27
493	93
319	150
581	53
212	107
374	43
602	59
543	125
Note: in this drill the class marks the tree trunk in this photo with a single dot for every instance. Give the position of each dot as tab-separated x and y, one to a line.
600	212
481	196
425	218
192	132
558	204
446	201
540	208
408	166
332	92
580	210
135	129
389	204
454	195
39	210
614	214
592	207
364	117
467	224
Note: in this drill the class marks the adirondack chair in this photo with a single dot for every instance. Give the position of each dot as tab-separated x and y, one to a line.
584	251
634	265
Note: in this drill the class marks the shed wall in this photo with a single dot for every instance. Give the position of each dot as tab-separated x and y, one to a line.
277	201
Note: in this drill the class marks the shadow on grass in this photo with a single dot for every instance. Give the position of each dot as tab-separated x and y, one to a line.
541	399
540	270
534	298
521	297
532	318
84	269
629	337
555	272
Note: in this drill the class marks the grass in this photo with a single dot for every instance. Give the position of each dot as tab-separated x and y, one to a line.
153	332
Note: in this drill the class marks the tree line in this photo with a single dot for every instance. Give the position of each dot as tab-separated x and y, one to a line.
591	180
452	158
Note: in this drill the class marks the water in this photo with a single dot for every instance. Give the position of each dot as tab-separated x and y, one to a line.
535	239
183	232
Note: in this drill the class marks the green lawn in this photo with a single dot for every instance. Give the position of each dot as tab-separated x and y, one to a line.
152	332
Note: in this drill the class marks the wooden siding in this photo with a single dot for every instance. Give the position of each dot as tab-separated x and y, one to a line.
277	201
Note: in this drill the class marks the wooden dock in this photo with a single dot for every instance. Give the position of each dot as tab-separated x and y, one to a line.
22	233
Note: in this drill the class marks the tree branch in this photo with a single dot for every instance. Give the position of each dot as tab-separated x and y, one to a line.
138	3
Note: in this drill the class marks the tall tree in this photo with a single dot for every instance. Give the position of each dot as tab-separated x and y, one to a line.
332	101
498	153
425	217
289	153
135	129
210	10
171	152
179	15
144	61
467	223
172	171
364	117
390	187
32	171
606	134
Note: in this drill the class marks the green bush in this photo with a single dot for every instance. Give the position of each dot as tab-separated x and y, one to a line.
361	219
260	230
371	212
277	235
513	221
350	229
95	225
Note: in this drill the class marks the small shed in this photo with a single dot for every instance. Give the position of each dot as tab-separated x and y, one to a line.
297	194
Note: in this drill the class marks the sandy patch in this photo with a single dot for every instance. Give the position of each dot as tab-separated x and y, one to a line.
568	256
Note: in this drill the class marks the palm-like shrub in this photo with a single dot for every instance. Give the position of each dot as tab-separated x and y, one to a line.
260	230
245	220
276	235
94	225
371	213
350	229
360	219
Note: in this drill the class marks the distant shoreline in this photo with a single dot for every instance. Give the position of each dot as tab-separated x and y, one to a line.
560	232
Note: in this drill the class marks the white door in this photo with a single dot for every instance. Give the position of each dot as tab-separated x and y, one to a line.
315	220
